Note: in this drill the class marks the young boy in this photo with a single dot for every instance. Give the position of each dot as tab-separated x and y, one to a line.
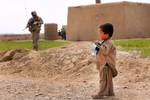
105	61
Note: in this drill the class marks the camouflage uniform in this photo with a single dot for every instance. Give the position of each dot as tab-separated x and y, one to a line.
63	33
34	25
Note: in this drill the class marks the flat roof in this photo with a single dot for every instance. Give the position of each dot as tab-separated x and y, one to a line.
111	4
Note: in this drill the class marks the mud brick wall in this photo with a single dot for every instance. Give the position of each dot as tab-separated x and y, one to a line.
50	31
130	20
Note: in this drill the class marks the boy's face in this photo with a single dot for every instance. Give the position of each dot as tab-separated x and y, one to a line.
102	35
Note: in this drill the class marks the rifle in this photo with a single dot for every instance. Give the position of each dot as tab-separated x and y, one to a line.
25	28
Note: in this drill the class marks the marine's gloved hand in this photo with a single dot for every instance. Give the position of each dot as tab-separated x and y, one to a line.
36	23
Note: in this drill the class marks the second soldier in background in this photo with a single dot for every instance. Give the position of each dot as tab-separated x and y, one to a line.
34	25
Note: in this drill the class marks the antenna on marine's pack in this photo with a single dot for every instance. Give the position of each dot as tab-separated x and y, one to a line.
26	13
25	6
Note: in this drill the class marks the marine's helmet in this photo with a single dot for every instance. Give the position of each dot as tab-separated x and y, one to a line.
33	13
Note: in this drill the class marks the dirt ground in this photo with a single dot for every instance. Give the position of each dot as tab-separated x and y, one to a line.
69	73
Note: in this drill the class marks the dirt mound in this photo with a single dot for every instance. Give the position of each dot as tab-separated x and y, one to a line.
12	54
133	68
71	61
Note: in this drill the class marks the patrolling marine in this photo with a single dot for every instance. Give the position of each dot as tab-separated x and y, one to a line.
34	26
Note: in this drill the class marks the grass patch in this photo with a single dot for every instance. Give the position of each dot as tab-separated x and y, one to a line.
43	44
140	45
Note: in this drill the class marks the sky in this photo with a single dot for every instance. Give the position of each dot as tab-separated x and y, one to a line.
15	13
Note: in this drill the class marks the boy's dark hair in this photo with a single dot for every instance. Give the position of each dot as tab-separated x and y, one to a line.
107	28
